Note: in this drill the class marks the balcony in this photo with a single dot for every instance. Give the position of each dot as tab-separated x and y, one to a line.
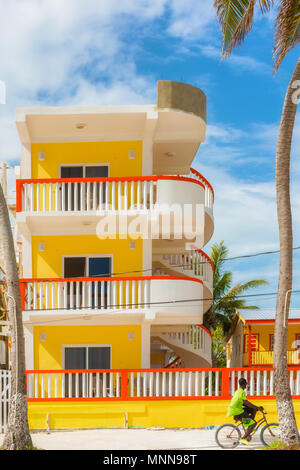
261	358
157	298
67	204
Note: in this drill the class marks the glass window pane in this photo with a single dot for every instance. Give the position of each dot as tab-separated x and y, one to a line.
99	358
75	358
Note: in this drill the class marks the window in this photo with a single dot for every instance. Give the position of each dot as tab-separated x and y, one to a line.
271	342
87	357
79	357
85	199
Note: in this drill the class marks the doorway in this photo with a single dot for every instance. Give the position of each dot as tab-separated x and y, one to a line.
89	266
79	199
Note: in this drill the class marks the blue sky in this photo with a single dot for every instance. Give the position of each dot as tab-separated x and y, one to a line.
76	52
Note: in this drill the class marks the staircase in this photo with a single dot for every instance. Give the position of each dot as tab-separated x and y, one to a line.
192	263
191	343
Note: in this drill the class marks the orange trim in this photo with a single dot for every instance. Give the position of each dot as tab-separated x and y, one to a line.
205	256
111	279
205	329
195	172
259	322
171	363
225	384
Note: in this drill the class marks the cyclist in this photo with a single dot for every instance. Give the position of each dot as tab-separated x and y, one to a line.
242	410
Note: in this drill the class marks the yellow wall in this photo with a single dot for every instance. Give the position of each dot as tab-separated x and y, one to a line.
113	153
126	353
265	331
48	264
165	413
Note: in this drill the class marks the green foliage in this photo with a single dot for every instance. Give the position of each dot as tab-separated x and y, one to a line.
279	445
219	346
227	300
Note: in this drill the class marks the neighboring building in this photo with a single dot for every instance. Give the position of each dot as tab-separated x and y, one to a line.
251	339
103	303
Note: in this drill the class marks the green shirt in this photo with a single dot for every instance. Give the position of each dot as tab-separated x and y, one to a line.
236	404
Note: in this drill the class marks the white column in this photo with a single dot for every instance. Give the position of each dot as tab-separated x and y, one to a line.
27	255
29	347
26	158
147	258
145	346
150	125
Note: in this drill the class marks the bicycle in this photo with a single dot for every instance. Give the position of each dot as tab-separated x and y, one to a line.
228	436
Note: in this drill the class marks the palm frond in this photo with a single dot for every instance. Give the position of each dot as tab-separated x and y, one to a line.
236	19
287	30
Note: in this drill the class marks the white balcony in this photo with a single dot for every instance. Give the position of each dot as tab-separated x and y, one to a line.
76	205
157	298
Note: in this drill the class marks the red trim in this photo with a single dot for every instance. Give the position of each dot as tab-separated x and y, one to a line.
131	278
205	256
259	322
195	172
205	329
171	363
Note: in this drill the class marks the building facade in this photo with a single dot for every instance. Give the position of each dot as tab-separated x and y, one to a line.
113	220
251	341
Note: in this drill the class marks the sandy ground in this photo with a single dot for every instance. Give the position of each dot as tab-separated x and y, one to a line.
131	439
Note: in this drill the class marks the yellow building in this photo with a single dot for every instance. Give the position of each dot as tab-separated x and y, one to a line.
252	338
113	220
114	283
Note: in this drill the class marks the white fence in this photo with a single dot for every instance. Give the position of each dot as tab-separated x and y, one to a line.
4	398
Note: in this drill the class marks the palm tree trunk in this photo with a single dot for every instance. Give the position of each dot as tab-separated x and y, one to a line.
17	435
287	421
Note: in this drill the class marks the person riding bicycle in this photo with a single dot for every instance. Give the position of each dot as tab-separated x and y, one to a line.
242	410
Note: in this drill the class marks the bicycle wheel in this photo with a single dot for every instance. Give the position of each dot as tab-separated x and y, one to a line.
228	436
269	434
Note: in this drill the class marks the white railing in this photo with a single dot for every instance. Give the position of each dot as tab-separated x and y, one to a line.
107	194
73	384
5	380
122	384
87	293
126	384
161	293
194	338
176	383
261	382
87	196
193	262
209	193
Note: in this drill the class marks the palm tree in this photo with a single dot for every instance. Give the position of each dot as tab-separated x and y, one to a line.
236	19
227	298
3	306
17	435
